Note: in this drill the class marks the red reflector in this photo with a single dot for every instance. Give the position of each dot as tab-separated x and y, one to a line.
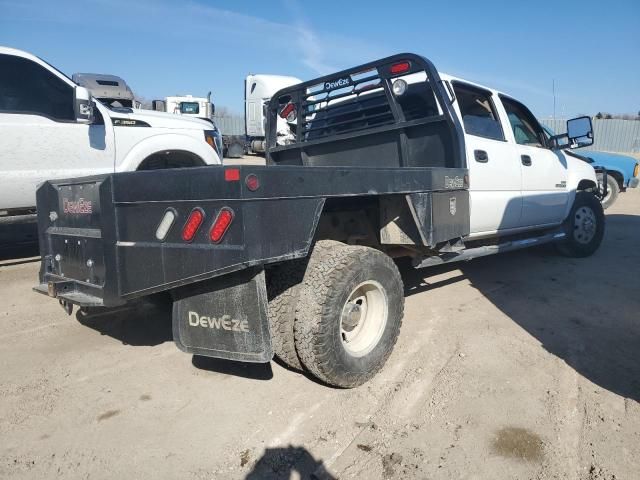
288	108
232	174
252	182
400	67
193	224
221	224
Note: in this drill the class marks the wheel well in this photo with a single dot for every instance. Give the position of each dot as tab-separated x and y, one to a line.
587	185
171	159
381	222
617	175
352	220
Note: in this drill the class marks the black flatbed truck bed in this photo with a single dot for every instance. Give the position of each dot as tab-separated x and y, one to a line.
364	167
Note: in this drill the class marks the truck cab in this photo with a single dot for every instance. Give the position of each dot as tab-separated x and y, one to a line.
50	127
519	179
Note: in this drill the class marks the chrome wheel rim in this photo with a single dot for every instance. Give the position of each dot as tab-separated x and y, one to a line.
364	318
584	225
608	195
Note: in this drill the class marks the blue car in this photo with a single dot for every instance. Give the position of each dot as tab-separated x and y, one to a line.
622	171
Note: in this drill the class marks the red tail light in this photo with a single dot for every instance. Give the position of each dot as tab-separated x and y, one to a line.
288	109
400	67
252	182
221	224
192	225
232	174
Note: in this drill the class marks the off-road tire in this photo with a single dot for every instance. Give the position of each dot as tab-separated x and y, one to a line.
283	289
613	190
334	270
570	246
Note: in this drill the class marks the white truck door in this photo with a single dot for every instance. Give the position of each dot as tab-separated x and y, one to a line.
39	137
544	172
494	177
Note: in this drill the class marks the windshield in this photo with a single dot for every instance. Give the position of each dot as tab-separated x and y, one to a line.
113	108
190	108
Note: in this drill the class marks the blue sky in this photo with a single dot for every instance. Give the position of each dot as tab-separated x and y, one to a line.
162	47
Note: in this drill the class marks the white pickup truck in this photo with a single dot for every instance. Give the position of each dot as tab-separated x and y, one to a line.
52	128
384	160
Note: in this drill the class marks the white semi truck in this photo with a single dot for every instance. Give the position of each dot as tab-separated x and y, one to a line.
109	89
258	91
198	107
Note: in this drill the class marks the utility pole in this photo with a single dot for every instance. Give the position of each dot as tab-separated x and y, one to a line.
553	88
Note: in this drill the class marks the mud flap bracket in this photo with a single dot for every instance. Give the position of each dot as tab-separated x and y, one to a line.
225	318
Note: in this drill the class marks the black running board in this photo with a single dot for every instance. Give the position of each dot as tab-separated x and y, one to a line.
476	252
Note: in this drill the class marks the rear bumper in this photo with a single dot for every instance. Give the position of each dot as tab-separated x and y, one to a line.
71	291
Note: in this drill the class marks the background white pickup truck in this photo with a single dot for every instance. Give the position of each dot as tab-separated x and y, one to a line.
51	128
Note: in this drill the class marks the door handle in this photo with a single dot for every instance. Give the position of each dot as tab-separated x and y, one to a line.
526	160
481	156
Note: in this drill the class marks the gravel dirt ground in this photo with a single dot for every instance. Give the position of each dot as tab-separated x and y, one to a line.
517	366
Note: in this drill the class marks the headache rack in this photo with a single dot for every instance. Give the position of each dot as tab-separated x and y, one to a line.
356	118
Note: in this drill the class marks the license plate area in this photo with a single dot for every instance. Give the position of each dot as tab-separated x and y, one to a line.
77	258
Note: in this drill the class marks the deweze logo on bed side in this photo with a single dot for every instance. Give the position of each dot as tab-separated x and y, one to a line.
80	206
225	322
342	82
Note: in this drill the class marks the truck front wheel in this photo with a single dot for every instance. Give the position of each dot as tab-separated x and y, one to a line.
584	226
349	313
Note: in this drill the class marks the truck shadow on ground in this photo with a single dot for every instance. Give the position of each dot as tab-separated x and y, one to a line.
148	323
141	324
585	311
253	371
282	463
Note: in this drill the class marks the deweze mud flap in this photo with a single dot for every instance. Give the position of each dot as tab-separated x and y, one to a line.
225	318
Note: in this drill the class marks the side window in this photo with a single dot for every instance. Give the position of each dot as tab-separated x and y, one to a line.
478	112
26	87
526	129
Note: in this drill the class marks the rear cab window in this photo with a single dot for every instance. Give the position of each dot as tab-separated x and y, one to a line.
478	111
